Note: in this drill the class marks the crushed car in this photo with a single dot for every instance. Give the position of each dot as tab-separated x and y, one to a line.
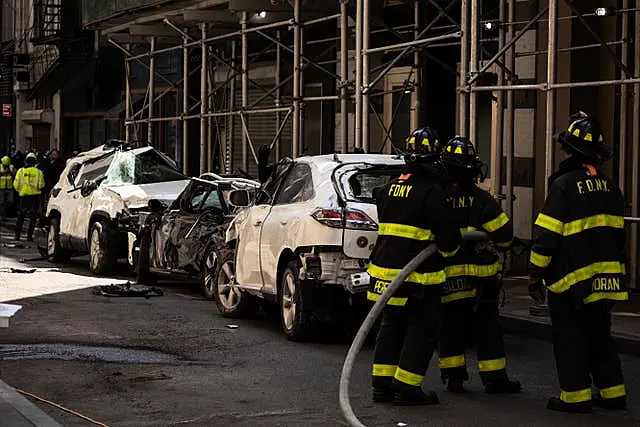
186	238
95	204
305	240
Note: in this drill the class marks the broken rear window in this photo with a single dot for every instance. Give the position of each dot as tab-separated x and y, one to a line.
362	186
148	167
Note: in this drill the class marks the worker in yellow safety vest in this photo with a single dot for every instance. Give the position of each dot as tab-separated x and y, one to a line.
29	183
7	173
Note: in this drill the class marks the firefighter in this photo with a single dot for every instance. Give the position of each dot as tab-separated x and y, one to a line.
470	296
413	214
7	174
578	255
29	183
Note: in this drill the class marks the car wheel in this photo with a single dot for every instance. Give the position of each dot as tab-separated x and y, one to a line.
142	266
230	299
55	252
295	322
102	258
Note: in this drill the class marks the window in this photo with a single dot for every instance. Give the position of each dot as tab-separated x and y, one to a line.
94	170
363	186
148	167
297	187
213	200
269	189
73	173
196	196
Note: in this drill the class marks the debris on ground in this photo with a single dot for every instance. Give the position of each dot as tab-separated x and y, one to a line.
40	258
18	270
127	290
13	245
232	326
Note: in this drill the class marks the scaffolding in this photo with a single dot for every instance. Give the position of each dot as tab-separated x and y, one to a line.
465	21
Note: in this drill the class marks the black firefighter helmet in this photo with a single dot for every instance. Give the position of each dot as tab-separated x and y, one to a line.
423	146
584	137
461	159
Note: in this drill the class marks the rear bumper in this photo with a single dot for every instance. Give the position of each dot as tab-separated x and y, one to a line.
335	268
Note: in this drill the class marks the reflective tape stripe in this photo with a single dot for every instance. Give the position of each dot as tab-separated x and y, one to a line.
468	229
615	296
400	302
406	231
497	223
458	296
613	392
492	365
539	260
473	270
549	223
576	396
506	245
586	273
451	362
388	274
384	370
575	227
408	377
449	254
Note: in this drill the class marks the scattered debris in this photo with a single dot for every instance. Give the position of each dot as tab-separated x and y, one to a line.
232	326
402	424
127	290
18	270
40	258
13	245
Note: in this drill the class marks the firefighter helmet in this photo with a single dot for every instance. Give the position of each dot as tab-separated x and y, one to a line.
423	146
584	137
6	161
461	159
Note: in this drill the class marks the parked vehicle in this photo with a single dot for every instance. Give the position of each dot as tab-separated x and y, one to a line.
305	241
187	237
97	199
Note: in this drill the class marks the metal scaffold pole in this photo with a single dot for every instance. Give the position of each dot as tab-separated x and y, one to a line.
551	79
211	75
624	101
476	10
358	83
203	99
232	105
418	66
245	88
463	101
185	107
127	98
278	78
152	89
500	104
344	77
295	140
510	112
365	75
635	178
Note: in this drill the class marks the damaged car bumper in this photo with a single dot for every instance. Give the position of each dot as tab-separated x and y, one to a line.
336	268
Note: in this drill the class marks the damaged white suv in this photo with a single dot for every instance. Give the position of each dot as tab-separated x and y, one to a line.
97	198
305	241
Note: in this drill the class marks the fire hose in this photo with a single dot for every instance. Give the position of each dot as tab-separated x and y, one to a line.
358	341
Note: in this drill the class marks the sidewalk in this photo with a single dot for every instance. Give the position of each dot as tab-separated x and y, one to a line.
516	317
17	411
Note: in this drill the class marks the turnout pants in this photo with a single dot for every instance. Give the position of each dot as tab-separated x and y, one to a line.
478	318
584	348
406	341
29	208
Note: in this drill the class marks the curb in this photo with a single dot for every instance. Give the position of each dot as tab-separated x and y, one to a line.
541	329
27	409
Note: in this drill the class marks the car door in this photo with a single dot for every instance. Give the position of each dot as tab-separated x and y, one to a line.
280	226
248	268
63	200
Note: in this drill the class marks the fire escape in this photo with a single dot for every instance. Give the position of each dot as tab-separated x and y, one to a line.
61	47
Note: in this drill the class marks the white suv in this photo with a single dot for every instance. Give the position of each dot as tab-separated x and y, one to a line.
98	196
305	241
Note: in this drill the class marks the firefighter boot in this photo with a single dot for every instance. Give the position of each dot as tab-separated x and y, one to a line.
454	379
405	395
19	222
615	404
556	404
499	383
382	394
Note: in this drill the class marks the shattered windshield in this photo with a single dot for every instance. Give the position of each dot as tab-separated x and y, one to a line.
148	167
362	185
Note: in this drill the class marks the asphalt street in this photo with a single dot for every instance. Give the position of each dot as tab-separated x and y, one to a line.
173	360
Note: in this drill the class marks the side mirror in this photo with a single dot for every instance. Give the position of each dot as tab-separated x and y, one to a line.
156	206
88	187
239	198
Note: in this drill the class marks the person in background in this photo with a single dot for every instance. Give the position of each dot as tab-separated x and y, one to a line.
7	174
29	183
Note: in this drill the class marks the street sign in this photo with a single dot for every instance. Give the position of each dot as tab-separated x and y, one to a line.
6	110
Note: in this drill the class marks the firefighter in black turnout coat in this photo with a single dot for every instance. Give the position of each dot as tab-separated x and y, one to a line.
412	215
578	255
471	294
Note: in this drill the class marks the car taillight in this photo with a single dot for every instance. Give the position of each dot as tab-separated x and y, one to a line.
353	219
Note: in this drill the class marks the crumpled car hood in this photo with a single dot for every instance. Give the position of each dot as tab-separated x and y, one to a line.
138	196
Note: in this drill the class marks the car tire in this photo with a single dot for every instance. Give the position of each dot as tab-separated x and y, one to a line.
102	257
230	299
54	251
296	323
142	266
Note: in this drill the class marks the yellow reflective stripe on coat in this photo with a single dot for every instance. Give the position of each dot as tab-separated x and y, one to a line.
576	396
473	270
400	302
29	181
614	296
539	260
458	296
497	223
383	370
406	231
492	365
505	245
6	177
586	273
408	377
451	362
575	227
549	223
613	392
388	274
449	254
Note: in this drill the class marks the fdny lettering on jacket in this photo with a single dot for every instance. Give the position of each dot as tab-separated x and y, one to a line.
592	186
380	286
606	284
400	190
456	285
462	202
